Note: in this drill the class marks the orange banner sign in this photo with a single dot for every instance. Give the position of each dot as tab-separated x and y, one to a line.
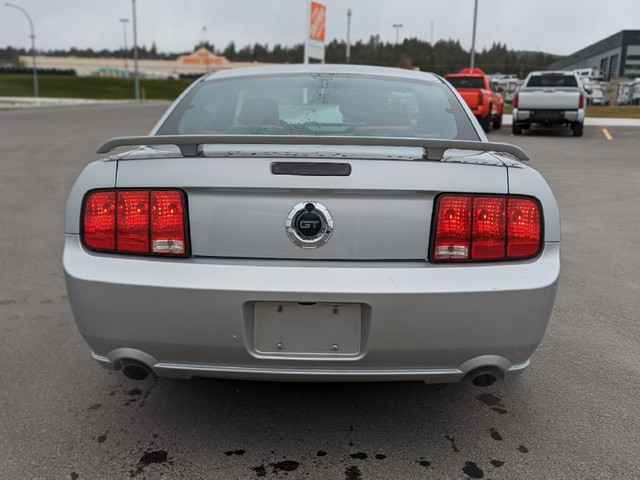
318	21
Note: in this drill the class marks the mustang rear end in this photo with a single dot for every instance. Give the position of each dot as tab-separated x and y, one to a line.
312	258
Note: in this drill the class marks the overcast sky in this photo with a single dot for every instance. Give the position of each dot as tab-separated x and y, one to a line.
553	26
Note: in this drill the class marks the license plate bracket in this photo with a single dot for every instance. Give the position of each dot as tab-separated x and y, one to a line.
316	329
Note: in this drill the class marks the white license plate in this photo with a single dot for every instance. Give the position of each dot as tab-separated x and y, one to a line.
307	329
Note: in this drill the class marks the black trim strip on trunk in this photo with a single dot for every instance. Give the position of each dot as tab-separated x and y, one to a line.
313	169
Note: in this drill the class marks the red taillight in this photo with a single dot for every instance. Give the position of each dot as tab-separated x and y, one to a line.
99	221
167	223
488	234
523	228
453	228
135	221
515	100
581	101
483	227
132	221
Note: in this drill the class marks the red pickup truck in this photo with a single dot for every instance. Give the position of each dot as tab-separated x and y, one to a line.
485	103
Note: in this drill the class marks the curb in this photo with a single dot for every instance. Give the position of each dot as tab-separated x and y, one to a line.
44	102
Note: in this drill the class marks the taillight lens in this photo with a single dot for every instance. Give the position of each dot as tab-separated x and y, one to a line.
99	221
132	221
488	233
523	228
515	100
581	101
483	227
453	228
135	221
167	223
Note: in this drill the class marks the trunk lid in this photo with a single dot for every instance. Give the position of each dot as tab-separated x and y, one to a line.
380	199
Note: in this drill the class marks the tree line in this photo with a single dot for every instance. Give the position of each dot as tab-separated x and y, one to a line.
445	56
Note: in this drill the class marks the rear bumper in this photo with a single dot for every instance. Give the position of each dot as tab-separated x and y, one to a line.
195	317
548	116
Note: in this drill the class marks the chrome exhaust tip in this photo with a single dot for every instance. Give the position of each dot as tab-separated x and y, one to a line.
135	370
485	376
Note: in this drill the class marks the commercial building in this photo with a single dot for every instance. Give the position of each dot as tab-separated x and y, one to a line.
197	63
615	56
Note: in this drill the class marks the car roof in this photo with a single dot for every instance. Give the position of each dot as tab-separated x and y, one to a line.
364	70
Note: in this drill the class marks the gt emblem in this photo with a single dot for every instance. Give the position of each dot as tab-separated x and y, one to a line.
309	225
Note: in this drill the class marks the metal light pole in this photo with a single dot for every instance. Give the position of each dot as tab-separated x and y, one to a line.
397	26
432	32
124	30
473	40
136	74
348	55
33	47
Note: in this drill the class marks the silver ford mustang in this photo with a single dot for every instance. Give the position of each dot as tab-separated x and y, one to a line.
313	223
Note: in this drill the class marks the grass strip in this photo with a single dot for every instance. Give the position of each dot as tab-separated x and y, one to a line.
100	88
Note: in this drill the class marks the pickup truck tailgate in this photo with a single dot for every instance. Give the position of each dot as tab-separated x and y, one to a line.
471	97
549	99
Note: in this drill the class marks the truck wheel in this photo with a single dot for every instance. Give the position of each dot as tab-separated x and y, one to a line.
497	122
577	129
485	123
516	129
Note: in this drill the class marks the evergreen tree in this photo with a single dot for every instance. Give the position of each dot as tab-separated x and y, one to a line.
230	51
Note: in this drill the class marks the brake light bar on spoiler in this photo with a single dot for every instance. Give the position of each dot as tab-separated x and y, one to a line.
191	145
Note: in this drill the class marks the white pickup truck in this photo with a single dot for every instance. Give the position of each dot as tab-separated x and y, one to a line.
549	98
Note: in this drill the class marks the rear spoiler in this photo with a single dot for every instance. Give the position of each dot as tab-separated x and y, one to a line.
191	145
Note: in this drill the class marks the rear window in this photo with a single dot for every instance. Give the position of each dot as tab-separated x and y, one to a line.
320	104
552	81
466	82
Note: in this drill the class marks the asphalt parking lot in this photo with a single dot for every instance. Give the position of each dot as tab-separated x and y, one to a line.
574	414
